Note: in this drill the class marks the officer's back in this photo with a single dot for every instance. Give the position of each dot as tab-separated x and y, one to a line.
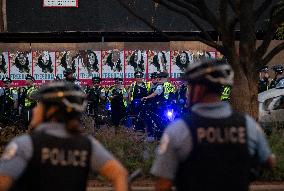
213	147
56	155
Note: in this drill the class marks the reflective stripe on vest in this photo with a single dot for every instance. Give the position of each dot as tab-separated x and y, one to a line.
226	93
29	102
168	88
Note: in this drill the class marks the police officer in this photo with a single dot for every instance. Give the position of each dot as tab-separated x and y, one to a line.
180	94
155	91
69	76
8	101
26	101
278	70
56	155
154	100
263	83
167	86
96	96
212	148
180	99
153	83
138	90
118	101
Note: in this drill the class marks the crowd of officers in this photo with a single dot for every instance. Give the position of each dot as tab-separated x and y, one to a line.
265	81
16	103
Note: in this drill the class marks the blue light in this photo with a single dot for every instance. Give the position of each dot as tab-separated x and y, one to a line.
169	114
108	107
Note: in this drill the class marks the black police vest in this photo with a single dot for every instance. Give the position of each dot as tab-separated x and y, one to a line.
263	85
181	93
117	101
57	164
219	159
94	94
139	91
7	97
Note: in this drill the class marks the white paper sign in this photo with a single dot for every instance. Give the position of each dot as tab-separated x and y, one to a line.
60	3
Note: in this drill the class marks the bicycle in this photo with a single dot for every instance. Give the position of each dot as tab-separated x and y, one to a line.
150	121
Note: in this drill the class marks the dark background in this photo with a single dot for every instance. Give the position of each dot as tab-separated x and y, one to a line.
97	16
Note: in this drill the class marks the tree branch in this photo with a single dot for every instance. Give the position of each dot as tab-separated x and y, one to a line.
208	42
142	19
272	27
261	9
208	15
271	54
185	5
185	13
213	44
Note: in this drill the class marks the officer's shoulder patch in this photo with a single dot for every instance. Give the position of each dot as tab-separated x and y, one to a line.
164	144
10	151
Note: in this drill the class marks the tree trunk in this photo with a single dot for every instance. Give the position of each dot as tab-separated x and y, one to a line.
244	94
245	91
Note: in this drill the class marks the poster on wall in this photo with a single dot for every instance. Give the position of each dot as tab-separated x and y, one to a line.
180	61
43	66
64	60
20	66
158	61
89	65
135	60
4	65
112	65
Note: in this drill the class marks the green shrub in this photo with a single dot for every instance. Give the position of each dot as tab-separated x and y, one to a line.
134	152
129	148
7	134
276	142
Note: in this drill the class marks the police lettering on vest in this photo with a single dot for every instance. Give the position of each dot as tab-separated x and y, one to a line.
222	135
60	157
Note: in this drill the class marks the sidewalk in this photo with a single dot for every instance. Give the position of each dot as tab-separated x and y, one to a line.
253	187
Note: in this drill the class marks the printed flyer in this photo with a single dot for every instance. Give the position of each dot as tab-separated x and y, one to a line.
4	64
89	65
112	65
20	66
64	60
135	60
44	66
158	61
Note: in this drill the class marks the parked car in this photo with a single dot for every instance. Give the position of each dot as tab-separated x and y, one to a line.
271	104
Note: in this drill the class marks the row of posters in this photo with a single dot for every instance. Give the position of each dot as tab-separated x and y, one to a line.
46	65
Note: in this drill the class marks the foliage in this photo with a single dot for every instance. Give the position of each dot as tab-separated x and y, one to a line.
276	142
132	151
7	134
